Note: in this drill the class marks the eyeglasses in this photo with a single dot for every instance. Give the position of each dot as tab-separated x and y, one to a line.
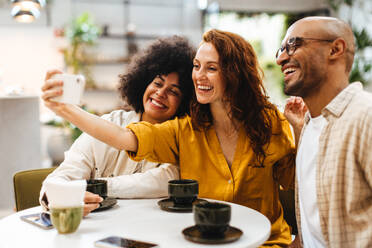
294	42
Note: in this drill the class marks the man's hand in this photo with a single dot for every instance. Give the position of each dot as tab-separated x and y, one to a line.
295	110
91	202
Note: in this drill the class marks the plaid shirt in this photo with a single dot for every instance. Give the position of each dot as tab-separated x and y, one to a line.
344	170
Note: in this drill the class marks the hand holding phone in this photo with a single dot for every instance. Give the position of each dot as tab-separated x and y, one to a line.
73	88
118	242
39	219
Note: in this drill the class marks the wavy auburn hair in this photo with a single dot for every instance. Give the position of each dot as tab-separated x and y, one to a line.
244	90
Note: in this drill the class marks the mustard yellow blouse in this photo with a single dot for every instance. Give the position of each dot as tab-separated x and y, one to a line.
200	157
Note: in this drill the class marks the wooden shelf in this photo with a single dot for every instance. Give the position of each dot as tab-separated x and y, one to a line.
130	36
92	61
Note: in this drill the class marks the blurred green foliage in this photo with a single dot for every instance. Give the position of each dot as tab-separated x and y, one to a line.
81	32
74	131
362	66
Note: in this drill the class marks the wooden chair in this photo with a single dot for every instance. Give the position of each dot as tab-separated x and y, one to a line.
27	185
288	203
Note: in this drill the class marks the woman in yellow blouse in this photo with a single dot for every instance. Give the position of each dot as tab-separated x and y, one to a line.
235	143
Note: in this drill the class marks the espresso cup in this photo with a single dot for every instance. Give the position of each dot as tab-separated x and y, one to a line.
97	186
73	88
66	219
212	218
183	191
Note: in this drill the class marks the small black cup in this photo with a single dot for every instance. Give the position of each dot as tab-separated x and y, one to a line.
183	191
97	186
212	218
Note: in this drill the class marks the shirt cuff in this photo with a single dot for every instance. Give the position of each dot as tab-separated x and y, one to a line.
44	202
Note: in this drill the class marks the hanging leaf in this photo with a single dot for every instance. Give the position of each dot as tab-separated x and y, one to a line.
362	39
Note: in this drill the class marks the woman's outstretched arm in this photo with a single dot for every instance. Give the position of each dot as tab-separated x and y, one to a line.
103	130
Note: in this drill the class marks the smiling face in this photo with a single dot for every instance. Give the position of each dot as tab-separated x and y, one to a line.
162	98
306	69
209	86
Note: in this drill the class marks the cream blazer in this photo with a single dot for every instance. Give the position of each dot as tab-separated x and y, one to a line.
90	158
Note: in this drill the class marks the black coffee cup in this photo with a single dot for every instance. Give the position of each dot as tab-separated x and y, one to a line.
97	186
212	218
183	191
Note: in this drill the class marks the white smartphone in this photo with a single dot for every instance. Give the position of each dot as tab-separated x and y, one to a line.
119	242
39	219
73	88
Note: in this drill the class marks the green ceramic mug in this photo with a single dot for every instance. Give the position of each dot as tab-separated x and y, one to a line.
66	219
212	218
97	186
183	191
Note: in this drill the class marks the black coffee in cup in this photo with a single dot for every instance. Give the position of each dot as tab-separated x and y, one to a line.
183	191
212	218
97	186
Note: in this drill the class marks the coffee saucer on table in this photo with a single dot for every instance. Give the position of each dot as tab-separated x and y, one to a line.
106	204
169	205
193	234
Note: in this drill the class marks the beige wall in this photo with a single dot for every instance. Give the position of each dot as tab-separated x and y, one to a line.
25	55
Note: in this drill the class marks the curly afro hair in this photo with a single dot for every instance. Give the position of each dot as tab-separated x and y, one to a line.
164	56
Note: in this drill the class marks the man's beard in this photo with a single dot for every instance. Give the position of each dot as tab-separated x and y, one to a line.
294	89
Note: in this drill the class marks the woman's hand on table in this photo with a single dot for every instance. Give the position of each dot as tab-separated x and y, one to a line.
91	202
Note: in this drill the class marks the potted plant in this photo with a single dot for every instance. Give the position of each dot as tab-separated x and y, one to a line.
61	136
80	34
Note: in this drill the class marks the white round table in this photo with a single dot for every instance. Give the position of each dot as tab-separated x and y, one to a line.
139	219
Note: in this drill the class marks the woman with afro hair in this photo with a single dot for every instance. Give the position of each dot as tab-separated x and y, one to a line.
158	86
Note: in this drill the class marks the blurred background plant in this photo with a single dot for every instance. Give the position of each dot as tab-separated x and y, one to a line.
66	127
81	33
61	136
358	14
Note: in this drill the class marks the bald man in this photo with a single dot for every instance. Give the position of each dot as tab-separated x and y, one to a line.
334	156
